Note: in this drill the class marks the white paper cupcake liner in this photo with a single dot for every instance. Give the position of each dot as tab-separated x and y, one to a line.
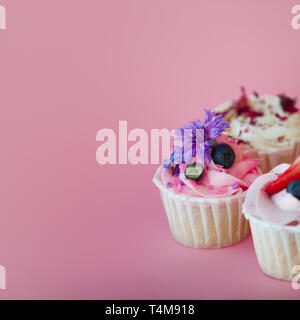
272	158
277	247
204	223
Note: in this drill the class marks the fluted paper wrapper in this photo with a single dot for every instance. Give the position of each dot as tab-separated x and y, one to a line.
204	223
277	247
272	158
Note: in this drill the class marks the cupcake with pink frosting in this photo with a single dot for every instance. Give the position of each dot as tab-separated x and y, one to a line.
204	183
273	208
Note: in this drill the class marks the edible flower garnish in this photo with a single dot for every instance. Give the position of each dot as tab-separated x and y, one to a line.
194	137
288	104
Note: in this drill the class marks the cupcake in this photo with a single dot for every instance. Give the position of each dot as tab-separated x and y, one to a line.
267	126
273	208
204	183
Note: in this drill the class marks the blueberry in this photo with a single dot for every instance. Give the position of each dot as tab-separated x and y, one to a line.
194	171
294	188
223	155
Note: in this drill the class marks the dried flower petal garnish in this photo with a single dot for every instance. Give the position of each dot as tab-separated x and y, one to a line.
288	104
243	107
235	186
195	136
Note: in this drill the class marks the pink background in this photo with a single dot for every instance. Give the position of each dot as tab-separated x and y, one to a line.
71	228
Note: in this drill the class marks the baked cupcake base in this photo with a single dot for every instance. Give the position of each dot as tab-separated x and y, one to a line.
277	247
204	223
272	158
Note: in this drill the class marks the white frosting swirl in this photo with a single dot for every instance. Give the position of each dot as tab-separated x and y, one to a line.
274	129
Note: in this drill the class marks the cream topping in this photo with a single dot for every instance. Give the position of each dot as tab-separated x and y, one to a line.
217	182
274	128
281	208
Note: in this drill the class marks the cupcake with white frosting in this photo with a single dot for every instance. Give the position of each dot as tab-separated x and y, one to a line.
273	208
266	125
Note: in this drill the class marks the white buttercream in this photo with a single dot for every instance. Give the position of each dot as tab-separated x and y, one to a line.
269	130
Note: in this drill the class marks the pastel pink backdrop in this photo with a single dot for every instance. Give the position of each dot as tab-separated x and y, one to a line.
71	228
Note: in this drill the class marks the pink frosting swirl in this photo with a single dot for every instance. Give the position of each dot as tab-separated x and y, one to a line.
281	208
217	182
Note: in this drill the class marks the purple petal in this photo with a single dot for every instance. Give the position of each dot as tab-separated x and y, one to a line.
169	184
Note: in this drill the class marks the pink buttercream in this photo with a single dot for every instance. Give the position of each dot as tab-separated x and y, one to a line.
286	201
217	182
281	208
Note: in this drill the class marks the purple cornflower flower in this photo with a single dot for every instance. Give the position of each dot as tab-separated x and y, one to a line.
196	138
214	125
